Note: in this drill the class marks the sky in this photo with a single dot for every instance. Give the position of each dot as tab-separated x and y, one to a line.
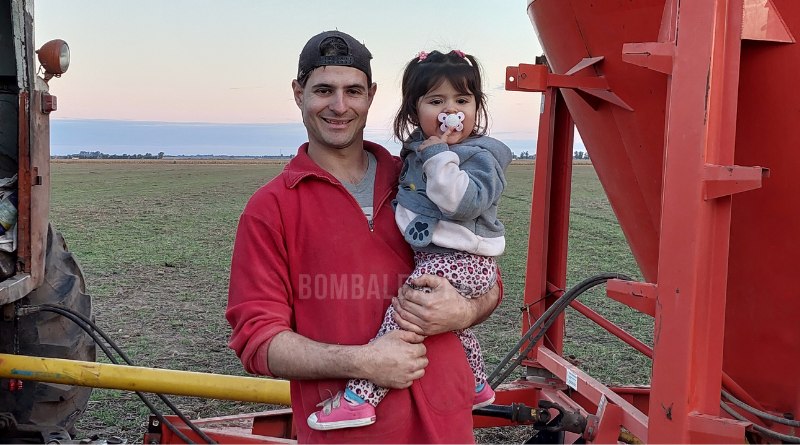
214	77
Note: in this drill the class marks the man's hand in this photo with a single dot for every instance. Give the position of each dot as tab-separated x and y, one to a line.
433	140
441	310
396	359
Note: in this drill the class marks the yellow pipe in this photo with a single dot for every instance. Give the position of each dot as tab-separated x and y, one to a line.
628	437
135	378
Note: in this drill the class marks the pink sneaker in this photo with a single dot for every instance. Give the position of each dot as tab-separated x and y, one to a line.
338	412
483	397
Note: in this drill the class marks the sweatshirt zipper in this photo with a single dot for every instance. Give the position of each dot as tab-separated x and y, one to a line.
370	223
375	211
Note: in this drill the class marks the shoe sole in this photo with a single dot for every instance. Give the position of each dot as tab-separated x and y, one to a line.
482	404
341	424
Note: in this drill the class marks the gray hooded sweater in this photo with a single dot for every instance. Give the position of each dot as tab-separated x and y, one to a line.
448	195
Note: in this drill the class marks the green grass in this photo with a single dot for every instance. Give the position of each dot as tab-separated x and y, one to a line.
155	241
596	245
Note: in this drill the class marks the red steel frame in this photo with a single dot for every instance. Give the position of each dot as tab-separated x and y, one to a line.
546	270
688	301
698	179
700	138
549	222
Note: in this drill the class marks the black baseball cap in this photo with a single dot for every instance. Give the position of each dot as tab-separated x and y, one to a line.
354	54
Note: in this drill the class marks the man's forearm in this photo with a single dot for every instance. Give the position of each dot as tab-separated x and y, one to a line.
292	356
393	360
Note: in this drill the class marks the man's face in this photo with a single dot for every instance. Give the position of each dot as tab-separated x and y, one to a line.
334	104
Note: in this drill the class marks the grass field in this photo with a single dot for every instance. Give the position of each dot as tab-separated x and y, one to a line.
155	241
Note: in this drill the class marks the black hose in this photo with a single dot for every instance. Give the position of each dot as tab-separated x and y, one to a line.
544	322
128	361
785	438
89	326
757	412
92	334
499	411
513	351
551	314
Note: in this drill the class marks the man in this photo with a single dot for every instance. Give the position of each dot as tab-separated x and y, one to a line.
318	259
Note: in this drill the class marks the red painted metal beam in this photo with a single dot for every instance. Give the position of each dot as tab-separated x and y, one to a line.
762	21
657	56
639	296
24	253
725	180
537	78
609	326
253	428
549	223
695	233
633	419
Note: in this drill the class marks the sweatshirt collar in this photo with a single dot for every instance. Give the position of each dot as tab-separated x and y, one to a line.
302	167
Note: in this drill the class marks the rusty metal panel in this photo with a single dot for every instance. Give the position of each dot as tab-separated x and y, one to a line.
34	151
14	288
39	182
22	21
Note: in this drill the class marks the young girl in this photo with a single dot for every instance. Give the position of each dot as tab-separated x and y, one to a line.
450	184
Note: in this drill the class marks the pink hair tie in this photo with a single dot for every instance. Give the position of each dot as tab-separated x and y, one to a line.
459	53
422	55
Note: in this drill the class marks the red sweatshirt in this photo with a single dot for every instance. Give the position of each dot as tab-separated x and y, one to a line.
306	260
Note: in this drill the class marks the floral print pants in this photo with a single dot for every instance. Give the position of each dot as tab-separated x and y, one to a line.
473	276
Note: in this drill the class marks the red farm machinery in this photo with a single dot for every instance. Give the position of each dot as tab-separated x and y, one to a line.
687	111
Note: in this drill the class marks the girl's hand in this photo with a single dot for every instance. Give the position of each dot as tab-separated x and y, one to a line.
433	140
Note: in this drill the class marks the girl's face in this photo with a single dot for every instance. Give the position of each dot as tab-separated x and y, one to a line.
446	99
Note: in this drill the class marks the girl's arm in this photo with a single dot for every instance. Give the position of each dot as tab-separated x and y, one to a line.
463	191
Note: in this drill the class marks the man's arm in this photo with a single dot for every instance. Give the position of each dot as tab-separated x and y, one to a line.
394	360
260	313
442	310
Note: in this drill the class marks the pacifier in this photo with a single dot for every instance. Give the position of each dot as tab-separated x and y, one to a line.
451	120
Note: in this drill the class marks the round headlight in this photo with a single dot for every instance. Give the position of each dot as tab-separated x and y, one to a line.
54	57
63	57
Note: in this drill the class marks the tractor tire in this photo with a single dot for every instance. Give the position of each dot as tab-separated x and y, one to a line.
47	334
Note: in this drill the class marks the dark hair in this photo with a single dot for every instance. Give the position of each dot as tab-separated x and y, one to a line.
421	76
